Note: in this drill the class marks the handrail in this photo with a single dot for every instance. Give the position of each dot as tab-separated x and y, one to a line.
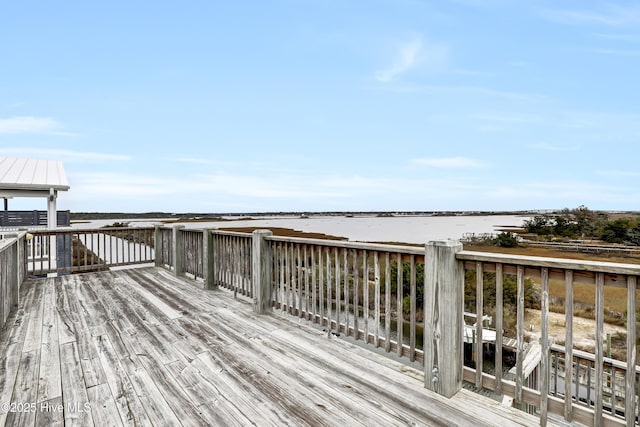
349	245
11	273
559	263
71	250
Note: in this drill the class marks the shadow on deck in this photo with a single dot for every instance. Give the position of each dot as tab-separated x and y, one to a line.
141	346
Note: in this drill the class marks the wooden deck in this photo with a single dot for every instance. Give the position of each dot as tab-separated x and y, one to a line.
141	347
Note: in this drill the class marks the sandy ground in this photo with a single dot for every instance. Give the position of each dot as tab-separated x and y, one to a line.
583	329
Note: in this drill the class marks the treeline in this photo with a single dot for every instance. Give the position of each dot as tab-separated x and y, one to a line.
583	223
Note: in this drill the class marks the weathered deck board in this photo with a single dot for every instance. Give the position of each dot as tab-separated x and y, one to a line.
49	381
141	347
12	341
126	400
74	391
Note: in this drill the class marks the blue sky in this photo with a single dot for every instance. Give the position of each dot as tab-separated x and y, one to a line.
323	105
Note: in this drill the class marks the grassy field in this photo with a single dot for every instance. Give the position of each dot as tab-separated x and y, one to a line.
286	232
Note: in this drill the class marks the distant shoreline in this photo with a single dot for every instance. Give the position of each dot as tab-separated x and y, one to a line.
79	216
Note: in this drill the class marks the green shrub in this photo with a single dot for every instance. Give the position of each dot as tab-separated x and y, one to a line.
506	240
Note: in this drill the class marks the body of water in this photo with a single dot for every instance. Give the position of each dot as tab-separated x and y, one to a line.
408	229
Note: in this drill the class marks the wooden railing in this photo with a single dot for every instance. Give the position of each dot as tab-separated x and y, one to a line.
232	255
600	404
408	301
164	247
347	287
222	258
12	273
73	250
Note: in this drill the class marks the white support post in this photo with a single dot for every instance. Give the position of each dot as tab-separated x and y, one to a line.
209	259
178	250
52	213
443	309
261	271
52	223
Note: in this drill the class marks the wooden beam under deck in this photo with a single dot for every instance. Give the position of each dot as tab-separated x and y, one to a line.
141	347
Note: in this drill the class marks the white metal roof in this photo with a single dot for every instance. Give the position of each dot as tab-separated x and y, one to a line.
32	174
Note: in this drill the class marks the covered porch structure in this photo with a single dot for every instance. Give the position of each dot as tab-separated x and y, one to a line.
21	177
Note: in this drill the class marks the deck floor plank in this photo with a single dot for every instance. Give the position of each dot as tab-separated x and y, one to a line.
207	396
49	381
156	407
142	347
91	367
103	407
74	391
13	337
141	322
87	300
50	413
127	402
33	338
25	391
64	315
243	394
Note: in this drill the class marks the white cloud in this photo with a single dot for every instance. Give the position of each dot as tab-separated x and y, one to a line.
506	118
68	156
449	162
619	37
473	73
553	147
204	161
195	161
28	124
117	186
404	61
414	53
611	15
468	91
568	192
278	186
618	173
287	190
617	52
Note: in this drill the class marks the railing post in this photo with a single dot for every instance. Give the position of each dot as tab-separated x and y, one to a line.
209	258
158	250
261	271
443	309
14	269
21	261
178	249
